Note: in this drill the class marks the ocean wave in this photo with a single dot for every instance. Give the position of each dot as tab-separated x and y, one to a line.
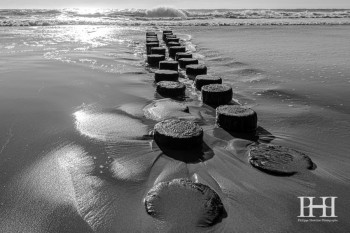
28	12
275	14
174	22
166	16
165	12
183	13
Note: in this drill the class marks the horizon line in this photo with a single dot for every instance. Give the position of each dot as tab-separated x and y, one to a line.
102	8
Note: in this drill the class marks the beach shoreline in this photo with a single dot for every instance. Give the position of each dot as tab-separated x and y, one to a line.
73	99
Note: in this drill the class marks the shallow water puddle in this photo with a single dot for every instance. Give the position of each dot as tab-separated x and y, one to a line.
108	126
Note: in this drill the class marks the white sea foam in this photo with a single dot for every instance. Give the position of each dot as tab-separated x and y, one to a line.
167	16
165	12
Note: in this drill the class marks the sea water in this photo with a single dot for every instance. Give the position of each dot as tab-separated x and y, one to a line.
73	84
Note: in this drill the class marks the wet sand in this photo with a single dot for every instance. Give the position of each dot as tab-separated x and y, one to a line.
77	155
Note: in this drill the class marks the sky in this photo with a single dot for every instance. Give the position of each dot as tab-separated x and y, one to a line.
181	4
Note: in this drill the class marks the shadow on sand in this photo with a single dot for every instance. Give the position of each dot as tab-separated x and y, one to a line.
193	155
259	135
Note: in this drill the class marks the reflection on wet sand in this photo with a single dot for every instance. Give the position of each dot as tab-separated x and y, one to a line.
108	126
96	178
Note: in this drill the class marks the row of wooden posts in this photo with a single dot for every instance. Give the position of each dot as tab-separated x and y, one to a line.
237	119
213	92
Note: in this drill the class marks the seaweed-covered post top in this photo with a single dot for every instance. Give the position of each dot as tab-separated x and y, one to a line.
151	34
177	40
236	118
167	32
216	94
170	88
178	134
168	36
196	69
202	80
158	50
183	62
169	65
166	75
179	55
173	44
175	49
152	39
